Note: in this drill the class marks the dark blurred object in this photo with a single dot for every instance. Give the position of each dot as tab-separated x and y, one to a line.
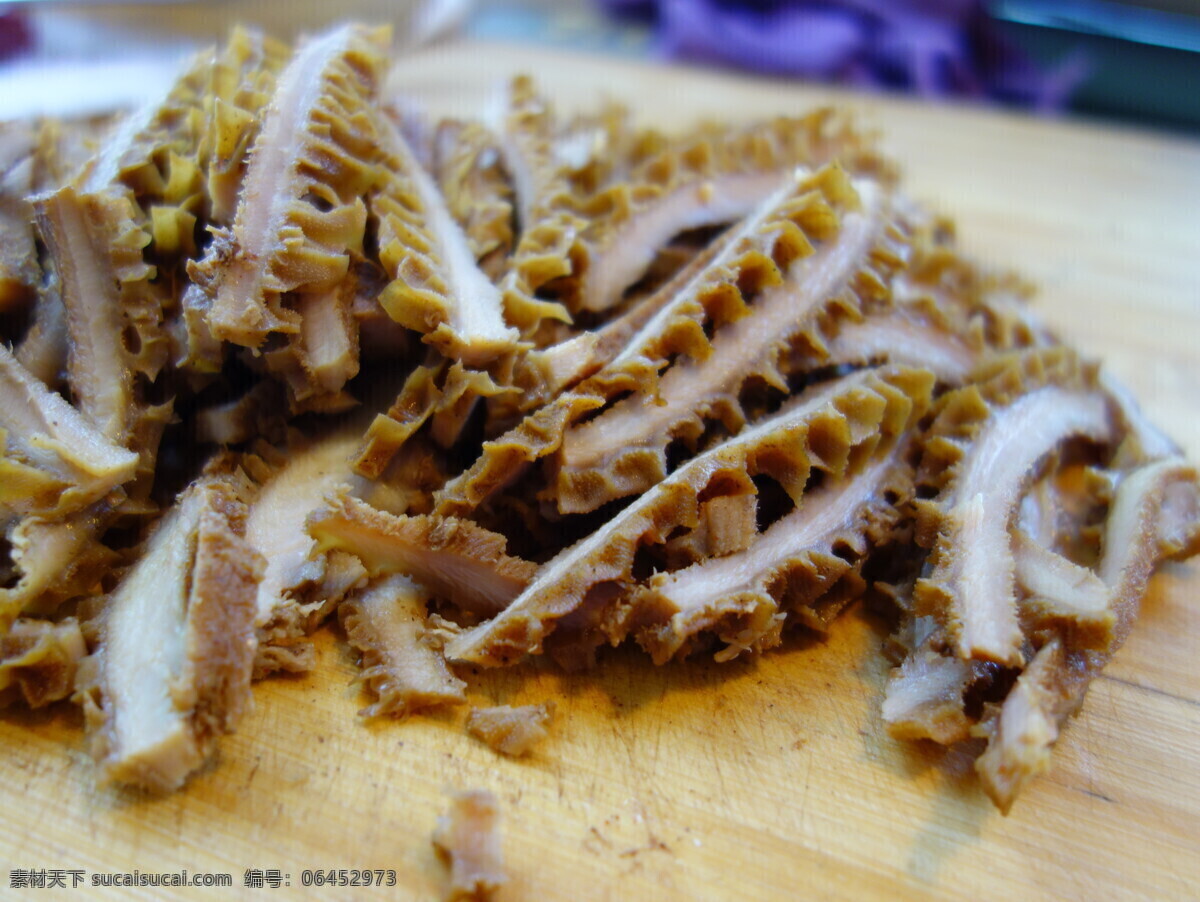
16	36
1145	54
936	48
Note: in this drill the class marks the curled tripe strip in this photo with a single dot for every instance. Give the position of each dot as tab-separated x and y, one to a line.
39	659
437	288
469	169
300	214
107	288
1154	516
385	621
19	271
240	87
455	559
743	595
298	585
986	440
172	670
52	460
822	429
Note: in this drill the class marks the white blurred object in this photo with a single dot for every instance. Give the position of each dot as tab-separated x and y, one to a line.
435	20
204	22
46	88
95	56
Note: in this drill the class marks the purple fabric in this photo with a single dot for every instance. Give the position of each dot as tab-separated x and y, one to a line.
16	36
936	48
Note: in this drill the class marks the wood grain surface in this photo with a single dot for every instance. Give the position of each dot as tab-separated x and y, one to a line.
763	779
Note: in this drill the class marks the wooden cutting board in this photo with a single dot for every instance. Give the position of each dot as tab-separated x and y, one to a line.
762	779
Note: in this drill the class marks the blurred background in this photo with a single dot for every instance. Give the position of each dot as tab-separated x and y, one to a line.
1134	61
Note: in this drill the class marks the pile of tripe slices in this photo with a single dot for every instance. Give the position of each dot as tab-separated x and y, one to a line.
490	389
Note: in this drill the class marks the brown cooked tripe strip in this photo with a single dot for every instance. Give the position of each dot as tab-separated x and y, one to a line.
385	621
826	429
437	288
903	337
107	287
157	158
1057	596
301	214
172	670
328	351
944	313
298	586
19	271
52	460
439	392
743	596
461	389
54	560
468	166
626	224
527	138
240	84
542	159
307	154
116	347
1057	591
242	81
1155	516
43	348
511	731
983	445
168	123
924	695
1022	734
38	660
316	362
455	559
468	836
113	313
301	585
415	403
503	460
